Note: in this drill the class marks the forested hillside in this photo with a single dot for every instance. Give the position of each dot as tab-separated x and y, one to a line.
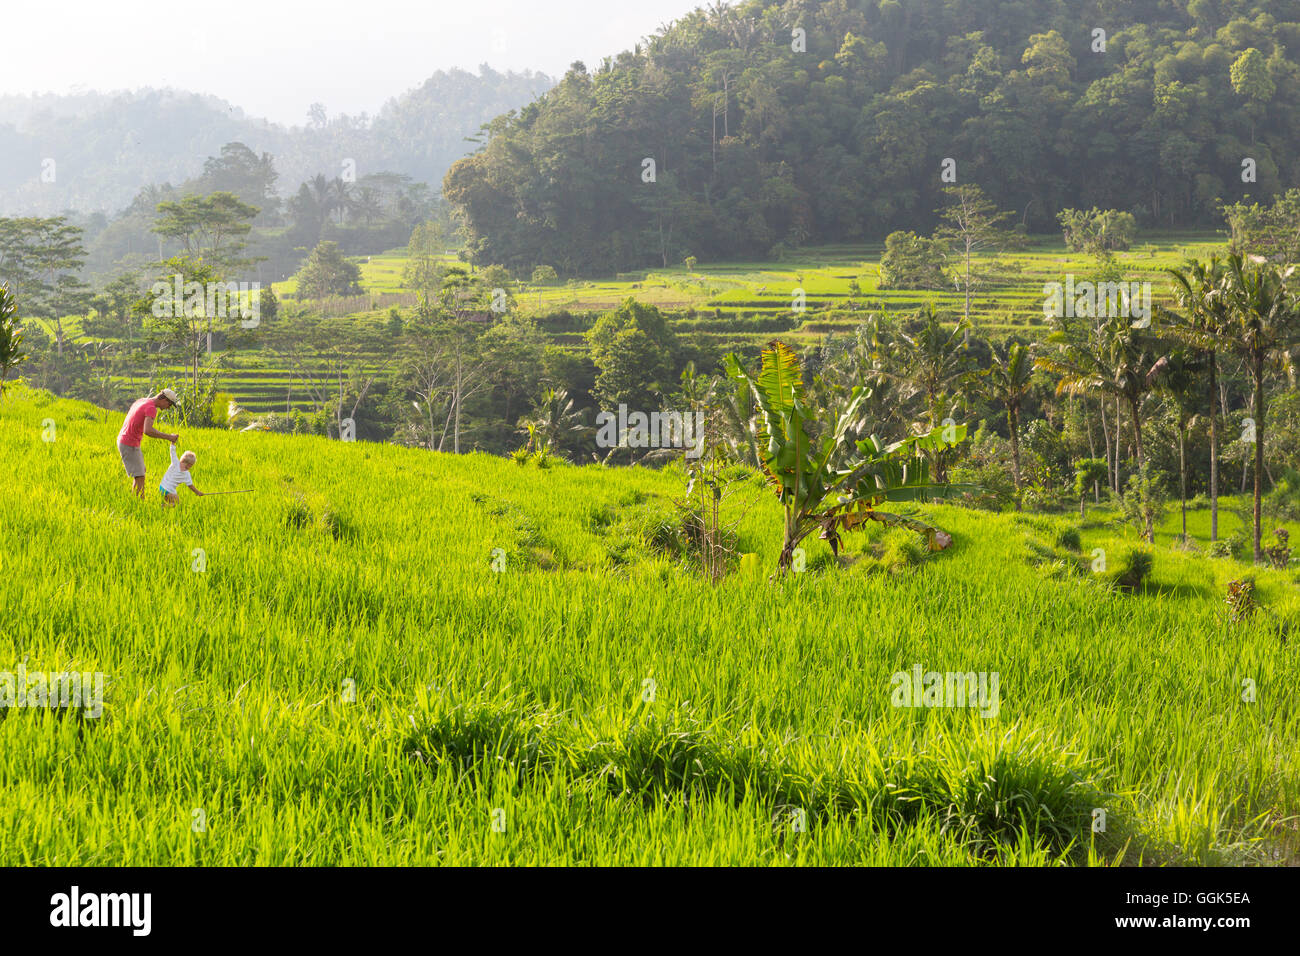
775	123
106	147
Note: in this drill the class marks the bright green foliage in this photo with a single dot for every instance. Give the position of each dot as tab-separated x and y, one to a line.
832	482
913	262
11	337
326	272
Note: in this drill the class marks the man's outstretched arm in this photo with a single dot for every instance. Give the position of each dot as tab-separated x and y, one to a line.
154	433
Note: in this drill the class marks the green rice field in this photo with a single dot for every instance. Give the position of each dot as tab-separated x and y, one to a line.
388	656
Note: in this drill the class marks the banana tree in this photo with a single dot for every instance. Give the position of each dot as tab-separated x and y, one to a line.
11	337
832	482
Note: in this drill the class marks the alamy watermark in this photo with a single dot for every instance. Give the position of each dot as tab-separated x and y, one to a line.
653	430
64	689
179	298
1087	299
947	689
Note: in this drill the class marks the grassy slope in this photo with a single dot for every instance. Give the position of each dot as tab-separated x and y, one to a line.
523	690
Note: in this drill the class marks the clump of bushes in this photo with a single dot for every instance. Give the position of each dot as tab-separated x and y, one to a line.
1241	600
1069	539
1143	501
1283	502
295	422
1229	547
894	550
314	512
1133	570
522	456
1278	549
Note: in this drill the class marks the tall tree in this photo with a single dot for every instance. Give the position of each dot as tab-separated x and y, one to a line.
41	259
972	223
1010	379
1109	356
327	272
1264	326
1203	324
211	228
1178	377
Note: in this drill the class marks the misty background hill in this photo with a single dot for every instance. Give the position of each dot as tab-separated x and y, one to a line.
106	147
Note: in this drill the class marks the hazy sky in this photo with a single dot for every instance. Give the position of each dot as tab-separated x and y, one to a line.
276	57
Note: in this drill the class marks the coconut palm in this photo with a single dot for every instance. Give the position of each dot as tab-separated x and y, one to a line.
1010	377
1263	327
935	363
1177	377
1111	356
1202	323
553	420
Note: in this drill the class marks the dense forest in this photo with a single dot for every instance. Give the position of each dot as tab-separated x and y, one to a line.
106	146
744	130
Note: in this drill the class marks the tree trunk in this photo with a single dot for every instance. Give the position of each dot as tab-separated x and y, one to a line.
1182	474
1259	448
1119	428
966	334
1137	431
455	445
1092	446
1214	452
1013	421
1105	440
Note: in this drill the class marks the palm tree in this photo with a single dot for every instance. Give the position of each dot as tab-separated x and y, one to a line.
1264	326
935	363
341	198
1010	378
368	204
553	419
1178	378
1203	324
1111	357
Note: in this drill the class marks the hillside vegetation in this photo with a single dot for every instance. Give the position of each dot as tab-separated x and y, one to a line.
742	130
342	667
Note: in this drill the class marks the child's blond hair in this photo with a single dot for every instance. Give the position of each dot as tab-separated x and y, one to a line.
190	458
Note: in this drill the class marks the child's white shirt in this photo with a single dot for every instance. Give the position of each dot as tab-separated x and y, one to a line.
176	475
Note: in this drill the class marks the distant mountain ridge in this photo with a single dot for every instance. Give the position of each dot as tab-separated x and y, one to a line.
93	152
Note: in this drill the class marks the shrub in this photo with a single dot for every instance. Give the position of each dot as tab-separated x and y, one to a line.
1143	501
913	262
1133	570
1069	539
900	549
1241	599
1279	550
1233	546
1283	502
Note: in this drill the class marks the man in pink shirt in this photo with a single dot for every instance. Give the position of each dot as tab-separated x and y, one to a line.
138	423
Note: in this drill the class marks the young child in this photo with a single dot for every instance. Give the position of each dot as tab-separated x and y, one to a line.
178	474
